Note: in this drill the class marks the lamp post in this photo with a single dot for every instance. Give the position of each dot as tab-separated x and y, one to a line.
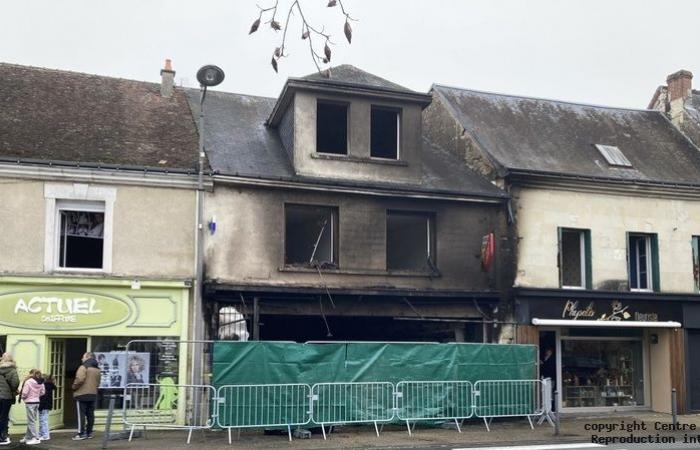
208	76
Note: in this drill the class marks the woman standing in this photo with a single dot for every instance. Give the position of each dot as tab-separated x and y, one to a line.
9	382
45	406
32	391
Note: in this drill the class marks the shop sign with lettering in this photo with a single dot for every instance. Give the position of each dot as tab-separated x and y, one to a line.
574	309
62	310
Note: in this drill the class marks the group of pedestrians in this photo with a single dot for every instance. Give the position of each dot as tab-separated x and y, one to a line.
36	392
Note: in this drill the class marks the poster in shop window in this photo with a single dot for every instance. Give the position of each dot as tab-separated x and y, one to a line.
117	371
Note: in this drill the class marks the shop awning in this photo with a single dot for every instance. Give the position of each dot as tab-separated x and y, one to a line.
604	323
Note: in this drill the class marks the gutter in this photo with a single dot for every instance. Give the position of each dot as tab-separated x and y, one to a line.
371	191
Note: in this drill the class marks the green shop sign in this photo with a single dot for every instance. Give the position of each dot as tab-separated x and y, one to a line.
61	310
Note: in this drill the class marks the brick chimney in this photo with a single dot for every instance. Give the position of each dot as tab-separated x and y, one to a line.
167	83
679	89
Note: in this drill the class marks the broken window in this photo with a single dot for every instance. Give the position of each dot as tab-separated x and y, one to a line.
81	235
643	261
409	241
310	235
385	133
332	128
574	258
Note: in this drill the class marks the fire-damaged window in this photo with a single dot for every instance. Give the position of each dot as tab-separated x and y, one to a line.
384	131
410	241
332	128
643	256
696	262
80	235
310	235
574	258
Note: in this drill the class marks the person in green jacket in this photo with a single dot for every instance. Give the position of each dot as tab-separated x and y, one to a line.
9	383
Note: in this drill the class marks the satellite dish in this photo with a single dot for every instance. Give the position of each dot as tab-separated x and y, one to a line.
210	75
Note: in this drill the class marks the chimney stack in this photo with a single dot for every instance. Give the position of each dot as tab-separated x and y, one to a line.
167	83
679	85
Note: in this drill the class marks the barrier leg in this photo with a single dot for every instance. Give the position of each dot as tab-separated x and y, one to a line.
289	432
457	424
529	419
323	430
408	426
376	429
486	422
144	432
229	436
189	436
238	434
131	433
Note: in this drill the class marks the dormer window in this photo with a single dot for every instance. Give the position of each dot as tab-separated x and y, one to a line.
332	127
385	129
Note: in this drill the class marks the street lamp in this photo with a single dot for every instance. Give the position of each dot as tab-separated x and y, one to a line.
208	76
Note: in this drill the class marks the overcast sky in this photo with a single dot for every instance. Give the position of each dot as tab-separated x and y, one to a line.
611	52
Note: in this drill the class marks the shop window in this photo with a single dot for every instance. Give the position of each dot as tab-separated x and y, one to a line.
310	236
574	258
80	235
410	241
643	250
384	132
332	128
696	262
155	362
602	373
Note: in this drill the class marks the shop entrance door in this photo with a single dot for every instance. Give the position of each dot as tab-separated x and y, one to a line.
694	371
66	354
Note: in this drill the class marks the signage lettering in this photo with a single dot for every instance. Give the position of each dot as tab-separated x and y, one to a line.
572	310
618	311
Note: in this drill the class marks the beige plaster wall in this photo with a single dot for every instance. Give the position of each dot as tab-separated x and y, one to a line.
609	217
248	246
660	371
153	233
357	165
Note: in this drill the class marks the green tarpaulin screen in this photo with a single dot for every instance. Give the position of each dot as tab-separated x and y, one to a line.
277	363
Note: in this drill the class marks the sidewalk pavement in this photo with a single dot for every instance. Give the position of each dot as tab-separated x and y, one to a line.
503	432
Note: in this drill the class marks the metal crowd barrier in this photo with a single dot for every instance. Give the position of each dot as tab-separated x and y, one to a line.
340	403
433	400
263	405
177	406
507	398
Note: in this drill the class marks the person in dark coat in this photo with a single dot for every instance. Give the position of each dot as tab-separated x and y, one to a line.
9	383
45	407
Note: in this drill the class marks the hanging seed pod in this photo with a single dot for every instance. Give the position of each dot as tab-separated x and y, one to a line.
305	34
327	51
278	52
274	64
348	32
332	3
254	27
275	25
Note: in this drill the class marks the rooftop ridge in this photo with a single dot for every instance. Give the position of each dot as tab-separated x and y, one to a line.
565	102
75	72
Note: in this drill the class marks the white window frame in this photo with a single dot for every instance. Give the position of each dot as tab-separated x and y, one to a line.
582	252
650	278
77	196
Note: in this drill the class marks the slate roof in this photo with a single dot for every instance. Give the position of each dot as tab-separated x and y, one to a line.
530	134
691	127
56	115
238	142
351	75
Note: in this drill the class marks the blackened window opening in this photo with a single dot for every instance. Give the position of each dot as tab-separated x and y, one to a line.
81	239
572	258
384	133
310	235
639	261
332	128
409	241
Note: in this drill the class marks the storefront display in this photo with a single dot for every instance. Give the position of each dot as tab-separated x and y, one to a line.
49	323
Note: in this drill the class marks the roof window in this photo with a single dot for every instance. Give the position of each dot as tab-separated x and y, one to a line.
613	155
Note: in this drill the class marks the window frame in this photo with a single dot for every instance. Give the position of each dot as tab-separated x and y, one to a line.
78	206
335	231
585	256
695	252
431	231
398	112
76	192
652	262
346	105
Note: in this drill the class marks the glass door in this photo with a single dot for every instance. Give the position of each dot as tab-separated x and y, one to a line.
57	368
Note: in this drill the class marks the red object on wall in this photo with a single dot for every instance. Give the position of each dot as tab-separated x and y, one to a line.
488	251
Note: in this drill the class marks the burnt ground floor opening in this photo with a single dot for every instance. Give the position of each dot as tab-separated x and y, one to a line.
308	315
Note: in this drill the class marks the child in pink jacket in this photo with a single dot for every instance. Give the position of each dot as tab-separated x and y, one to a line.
32	390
